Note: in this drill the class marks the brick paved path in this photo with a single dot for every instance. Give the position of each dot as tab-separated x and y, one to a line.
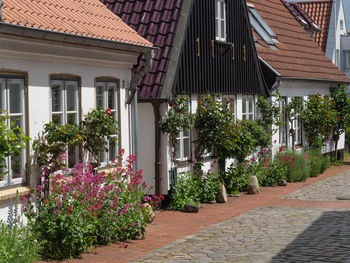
269	227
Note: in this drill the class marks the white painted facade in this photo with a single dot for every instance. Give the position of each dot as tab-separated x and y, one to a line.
287	88
37	60
337	28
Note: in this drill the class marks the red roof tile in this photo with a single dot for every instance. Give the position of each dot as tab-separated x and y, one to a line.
320	12
88	18
296	55
156	21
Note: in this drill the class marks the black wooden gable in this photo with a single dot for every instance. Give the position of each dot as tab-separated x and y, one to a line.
210	66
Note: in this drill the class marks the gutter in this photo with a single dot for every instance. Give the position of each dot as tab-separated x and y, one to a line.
37	33
320	80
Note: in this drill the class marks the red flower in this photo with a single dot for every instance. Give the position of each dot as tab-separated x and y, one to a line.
339	117
108	111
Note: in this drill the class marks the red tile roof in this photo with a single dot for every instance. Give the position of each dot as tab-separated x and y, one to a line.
156	21
79	17
320	12
296	55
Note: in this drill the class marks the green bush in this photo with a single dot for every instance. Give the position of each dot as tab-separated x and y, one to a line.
296	165
315	162
236	179
207	186
325	164
17	244
185	192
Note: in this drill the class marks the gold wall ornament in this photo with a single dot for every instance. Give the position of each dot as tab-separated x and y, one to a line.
212	47
198	48
233	51
244	53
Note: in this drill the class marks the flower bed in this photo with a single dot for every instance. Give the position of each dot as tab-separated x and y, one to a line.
88	209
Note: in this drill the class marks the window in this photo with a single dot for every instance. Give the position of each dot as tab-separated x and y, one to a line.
248	105
107	97
230	102
337	57
12	102
183	145
346	59
260	26
283	129
220	20
65	109
341	25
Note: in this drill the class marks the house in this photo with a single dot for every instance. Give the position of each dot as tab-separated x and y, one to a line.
291	62
329	16
59	60
205	46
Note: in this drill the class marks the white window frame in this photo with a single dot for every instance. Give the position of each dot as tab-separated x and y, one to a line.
105	84
180	146
220	31
298	131
246	114
5	81
232	100
63	83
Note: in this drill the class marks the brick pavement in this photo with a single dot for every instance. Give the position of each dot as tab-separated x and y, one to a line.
170	226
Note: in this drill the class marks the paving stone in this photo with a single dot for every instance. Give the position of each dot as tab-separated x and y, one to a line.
329	189
287	235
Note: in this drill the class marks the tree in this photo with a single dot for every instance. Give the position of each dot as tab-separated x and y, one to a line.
292	110
270	114
177	119
319	118
342	107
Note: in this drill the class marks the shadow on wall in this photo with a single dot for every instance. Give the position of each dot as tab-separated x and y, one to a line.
326	240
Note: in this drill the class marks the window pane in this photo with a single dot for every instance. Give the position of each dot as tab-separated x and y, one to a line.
16	122
222	11
57	118
99	97
250	117
111	97
56	98
258	28
72	156
71	98
186	147
72	118
262	22
16	165
250	105
15	98
1	97
217	28
178	149
244	116
112	151
222	29
244	105
186	133
102	157
347	59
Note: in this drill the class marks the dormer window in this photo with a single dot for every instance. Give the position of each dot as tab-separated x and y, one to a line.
260	26
220	20
341	25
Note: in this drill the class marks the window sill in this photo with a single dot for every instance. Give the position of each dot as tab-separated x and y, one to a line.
12	192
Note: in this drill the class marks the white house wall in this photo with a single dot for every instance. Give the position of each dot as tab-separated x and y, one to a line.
84	62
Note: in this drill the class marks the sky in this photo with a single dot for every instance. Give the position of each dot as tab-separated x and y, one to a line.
346	10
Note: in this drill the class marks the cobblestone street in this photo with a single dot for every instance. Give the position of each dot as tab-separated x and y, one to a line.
266	234
273	234
302	222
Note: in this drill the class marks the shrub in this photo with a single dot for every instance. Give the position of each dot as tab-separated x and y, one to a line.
17	244
315	162
85	209
236	179
325	164
185	192
296	165
207	186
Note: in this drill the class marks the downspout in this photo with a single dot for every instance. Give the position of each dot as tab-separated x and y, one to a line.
158	144
131	99
277	84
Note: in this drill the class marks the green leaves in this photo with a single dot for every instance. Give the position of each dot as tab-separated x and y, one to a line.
12	140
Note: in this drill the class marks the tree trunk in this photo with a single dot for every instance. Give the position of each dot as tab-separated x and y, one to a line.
292	134
336	140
